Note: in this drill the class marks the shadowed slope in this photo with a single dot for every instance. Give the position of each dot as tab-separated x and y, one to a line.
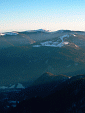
69	99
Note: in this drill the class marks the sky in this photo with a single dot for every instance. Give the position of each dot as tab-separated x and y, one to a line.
21	15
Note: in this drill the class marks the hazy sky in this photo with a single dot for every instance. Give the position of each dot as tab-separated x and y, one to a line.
46	14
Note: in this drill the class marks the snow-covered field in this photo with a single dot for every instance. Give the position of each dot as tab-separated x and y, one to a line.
8	33
2	34
54	43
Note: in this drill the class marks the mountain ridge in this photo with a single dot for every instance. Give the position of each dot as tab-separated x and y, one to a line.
48	77
68	97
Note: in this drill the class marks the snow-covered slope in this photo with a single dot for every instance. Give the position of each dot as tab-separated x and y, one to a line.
2	34
54	43
8	33
11	33
20	85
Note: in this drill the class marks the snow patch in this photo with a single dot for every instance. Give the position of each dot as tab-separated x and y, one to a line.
74	35
60	45
47	43
13	103
13	86
66	43
63	37
39	30
43	30
12	33
76	46
2	34
63	43
9	33
20	86
69	77
36	45
54	43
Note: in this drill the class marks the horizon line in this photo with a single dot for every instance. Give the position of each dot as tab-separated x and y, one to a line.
39	29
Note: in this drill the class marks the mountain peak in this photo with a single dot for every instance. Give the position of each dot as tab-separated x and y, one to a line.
47	74
43	30
48	77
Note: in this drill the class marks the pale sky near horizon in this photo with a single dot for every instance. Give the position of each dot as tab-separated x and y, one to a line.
19	15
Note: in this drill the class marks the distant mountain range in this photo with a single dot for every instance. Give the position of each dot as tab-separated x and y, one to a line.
17	33
29	37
